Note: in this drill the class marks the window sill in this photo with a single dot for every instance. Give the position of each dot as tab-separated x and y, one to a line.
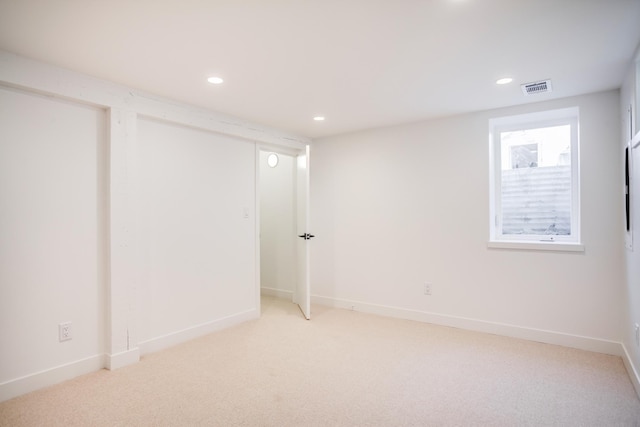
537	246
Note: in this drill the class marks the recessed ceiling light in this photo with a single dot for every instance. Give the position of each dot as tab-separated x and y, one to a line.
215	80
504	81
318	118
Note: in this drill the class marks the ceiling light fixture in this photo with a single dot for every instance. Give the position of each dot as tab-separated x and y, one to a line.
318	118
215	80
272	160
504	81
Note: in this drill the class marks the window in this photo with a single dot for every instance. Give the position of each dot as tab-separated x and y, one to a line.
535	179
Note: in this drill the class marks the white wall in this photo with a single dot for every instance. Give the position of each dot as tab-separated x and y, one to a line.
277	226
396	207
197	248
631	306
127	219
52	234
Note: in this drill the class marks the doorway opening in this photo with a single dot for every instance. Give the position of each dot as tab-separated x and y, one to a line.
283	218
277	225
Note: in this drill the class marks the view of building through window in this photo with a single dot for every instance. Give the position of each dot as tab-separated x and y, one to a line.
544	147
536	181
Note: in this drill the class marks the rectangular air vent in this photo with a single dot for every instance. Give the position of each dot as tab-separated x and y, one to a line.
537	87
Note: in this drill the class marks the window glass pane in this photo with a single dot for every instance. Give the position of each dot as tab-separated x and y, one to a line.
524	156
536	181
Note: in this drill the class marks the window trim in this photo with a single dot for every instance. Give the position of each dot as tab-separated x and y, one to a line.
537	246
540	119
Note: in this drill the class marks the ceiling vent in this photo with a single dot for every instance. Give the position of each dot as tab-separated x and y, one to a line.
536	87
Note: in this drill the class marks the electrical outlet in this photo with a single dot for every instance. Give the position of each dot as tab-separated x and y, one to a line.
427	288
637	330
64	331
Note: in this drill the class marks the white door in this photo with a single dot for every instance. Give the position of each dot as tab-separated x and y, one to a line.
302	293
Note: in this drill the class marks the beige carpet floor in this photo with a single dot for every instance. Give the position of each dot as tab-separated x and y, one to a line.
343	368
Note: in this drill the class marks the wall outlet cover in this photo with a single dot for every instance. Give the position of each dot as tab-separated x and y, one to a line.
64	331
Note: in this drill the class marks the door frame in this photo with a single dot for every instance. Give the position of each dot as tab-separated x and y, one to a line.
268	148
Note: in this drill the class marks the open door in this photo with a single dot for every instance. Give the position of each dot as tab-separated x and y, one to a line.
302	294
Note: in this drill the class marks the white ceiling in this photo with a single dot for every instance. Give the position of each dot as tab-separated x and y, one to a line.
360	63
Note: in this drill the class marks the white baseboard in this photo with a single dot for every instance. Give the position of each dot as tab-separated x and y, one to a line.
278	293
49	377
631	370
178	337
122	359
539	335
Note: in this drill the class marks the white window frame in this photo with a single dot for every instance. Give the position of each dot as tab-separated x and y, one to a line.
565	116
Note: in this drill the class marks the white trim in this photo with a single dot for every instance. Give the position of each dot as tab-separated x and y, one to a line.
48	377
121	255
122	359
278	293
538	118
564	116
184	335
631	369
531	334
39	77
537	246
279	149
258	220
